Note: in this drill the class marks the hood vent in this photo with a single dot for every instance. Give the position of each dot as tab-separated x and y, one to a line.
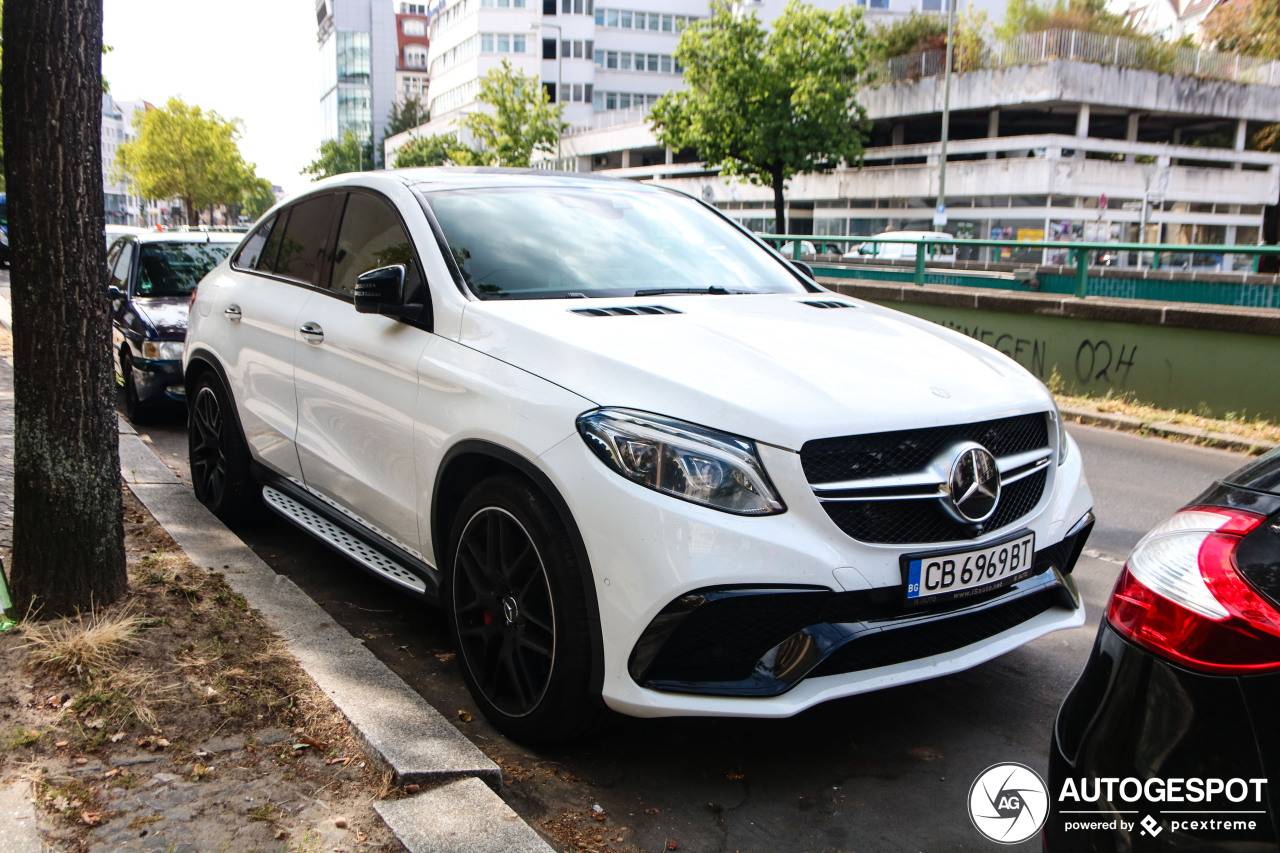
826	303
624	311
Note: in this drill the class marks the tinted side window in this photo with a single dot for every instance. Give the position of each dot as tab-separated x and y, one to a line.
120	272
372	236
247	257
271	251
305	236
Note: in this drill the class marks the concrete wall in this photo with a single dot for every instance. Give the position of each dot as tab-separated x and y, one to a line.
1076	83
1170	355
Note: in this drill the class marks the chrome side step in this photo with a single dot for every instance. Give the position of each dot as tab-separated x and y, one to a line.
336	537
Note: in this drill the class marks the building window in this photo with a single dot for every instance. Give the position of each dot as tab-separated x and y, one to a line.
550	89
611	18
548	48
666	65
931	5
624	20
599	59
414	27
486	43
415	56
611	59
879	4
625	62
577	92
548	7
638	20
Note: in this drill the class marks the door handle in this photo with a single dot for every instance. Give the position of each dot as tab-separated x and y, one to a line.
233	313
312	333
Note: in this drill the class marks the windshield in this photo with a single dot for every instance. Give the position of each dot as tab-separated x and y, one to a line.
174	269
553	243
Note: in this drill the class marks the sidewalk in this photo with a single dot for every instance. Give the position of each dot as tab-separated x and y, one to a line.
457	812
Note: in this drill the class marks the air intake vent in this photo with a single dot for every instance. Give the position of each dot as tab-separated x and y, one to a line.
624	311
826	304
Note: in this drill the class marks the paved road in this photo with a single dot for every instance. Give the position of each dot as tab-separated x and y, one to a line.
888	771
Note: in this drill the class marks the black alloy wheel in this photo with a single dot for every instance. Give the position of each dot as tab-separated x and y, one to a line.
502	602
218	457
518	613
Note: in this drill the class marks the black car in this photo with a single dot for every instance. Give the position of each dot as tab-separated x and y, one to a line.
1170	740
151	277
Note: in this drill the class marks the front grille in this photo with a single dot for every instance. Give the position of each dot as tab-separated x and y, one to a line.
933	638
916	522
857	457
920	520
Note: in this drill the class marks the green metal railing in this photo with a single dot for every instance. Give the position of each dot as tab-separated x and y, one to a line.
1080	253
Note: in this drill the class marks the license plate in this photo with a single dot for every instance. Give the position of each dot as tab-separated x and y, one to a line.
959	574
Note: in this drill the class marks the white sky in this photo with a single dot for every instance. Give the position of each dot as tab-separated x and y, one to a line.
255	60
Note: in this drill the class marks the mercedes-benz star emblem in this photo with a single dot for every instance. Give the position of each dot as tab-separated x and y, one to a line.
974	485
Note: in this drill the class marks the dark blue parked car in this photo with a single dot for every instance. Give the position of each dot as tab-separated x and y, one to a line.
151	277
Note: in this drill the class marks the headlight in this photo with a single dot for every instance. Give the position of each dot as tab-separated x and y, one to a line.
161	350
680	459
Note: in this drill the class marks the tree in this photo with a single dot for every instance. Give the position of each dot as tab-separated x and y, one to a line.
184	152
768	107
404	116
523	120
68	537
338	156
439	150
258	198
1252	28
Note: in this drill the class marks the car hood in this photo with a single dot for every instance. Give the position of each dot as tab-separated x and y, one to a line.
768	367
166	314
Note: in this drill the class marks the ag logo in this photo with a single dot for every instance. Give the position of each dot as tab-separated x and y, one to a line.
1008	803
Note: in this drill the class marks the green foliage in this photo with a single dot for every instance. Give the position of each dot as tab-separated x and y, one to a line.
182	151
1252	28
258	198
338	156
406	116
915	32
769	106
523	120
439	150
1090	16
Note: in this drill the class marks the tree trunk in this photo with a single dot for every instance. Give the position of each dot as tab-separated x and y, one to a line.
68	537
779	201
193	215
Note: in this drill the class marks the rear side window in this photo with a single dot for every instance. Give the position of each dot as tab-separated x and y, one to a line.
251	252
305	237
372	236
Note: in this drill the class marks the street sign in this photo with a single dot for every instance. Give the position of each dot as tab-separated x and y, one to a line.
1102	202
1132	205
940	216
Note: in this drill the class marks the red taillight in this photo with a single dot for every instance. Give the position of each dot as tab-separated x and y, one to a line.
1180	595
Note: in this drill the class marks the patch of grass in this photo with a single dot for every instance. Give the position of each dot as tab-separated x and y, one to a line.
263	812
1236	424
84	645
19	737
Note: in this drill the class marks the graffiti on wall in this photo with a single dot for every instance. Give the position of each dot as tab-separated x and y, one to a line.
1098	360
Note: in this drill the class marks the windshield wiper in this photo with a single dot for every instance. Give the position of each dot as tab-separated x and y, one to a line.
713	290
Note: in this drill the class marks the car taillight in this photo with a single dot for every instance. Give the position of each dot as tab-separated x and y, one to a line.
1180	595
191	303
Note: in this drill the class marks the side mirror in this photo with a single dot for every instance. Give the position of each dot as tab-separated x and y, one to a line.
804	269
380	291
115	292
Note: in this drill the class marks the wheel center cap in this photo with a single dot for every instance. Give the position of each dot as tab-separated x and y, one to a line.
510	610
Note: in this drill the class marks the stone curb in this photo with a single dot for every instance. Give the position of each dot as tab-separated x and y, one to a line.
1165	429
397	727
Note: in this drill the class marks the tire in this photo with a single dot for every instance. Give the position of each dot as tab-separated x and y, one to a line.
218	456
139	412
517	611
